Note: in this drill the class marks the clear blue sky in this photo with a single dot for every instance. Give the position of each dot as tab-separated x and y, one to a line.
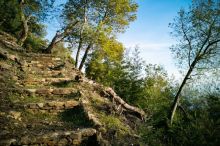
151	32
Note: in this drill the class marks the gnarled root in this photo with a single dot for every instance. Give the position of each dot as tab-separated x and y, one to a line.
109	92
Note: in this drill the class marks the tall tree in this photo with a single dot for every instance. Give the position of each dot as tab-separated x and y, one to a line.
198	33
97	17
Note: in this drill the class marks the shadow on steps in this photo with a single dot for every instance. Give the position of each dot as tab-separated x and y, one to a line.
75	116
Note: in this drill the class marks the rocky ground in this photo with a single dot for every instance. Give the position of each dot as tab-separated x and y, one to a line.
45	101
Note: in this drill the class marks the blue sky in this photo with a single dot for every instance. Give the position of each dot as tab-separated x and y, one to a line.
151	32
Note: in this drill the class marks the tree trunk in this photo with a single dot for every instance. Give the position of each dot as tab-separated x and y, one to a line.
177	96
25	30
85	56
138	112
25	26
78	52
59	37
52	44
81	39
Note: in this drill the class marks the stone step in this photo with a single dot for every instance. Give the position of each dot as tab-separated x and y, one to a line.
53	91
51	73
42	59
39	61
35	60
52	106
46	81
47	71
48	65
43	62
59	138
38	55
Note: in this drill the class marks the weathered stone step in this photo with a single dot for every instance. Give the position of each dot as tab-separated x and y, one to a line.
53	105
39	61
54	91
51	73
47	72
37	55
58	138
42	59
46	81
43	66
35	63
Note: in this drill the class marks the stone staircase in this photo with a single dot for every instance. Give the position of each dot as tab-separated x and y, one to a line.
54	104
42	73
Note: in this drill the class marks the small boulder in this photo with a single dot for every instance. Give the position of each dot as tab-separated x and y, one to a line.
14	114
71	103
40	105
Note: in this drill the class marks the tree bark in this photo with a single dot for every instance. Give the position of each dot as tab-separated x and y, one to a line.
59	37
85	56
177	96
53	43
81	38
24	33
78	52
25	26
138	112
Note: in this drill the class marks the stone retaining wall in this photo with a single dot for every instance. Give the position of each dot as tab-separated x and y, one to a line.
53	105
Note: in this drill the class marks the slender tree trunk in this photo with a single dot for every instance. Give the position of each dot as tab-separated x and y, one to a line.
78	52
25	29
60	37
85	56
52	43
81	38
177	96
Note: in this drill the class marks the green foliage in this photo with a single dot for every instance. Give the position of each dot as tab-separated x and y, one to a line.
199	128
104	61
158	89
130	82
34	43
114	123
202	128
105	15
9	17
122	74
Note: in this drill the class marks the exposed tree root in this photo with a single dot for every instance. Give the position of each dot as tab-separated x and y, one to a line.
120	103
109	92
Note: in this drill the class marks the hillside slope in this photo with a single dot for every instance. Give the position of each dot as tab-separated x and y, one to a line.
45	101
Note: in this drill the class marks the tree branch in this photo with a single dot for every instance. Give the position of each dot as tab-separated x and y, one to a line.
209	45
188	40
183	110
